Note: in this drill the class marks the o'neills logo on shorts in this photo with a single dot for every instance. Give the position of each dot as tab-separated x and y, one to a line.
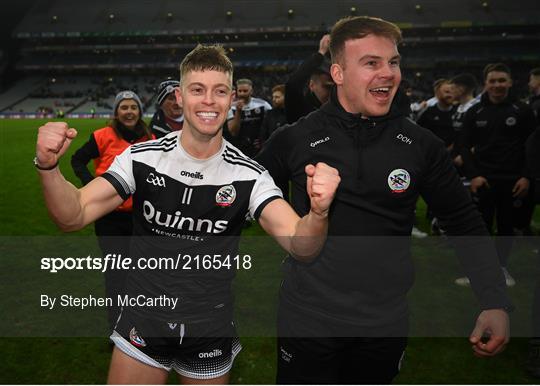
212	354
177	221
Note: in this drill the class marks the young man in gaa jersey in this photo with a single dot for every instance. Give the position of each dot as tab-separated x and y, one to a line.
188	187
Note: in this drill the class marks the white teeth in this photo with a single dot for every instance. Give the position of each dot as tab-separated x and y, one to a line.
381	89
207	114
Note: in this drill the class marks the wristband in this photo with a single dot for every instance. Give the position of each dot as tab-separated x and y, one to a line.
41	167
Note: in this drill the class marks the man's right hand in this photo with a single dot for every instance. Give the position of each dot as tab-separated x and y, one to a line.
53	140
478	183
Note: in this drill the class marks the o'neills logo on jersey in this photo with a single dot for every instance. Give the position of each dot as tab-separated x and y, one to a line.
226	195
399	180
177	221
197	175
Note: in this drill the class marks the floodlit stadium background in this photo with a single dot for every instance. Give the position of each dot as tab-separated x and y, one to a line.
74	57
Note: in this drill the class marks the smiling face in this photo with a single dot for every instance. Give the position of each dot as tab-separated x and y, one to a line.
206	97
368	75
128	113
497	85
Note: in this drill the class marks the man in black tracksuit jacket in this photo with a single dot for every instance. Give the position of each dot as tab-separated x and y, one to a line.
358	284
493	149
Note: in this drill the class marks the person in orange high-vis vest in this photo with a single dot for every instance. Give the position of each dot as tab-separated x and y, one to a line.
113	230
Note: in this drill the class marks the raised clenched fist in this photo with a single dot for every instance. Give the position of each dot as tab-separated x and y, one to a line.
53	140
322	183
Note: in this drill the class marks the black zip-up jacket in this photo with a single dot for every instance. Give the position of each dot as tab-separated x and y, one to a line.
273	119
498	133
439	122
298	102
364	270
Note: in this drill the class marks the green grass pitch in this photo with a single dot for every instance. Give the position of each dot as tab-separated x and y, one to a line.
28	357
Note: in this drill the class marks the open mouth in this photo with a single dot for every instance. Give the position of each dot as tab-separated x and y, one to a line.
207	116
381	93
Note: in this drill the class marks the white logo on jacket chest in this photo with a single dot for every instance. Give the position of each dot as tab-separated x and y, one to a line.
318	142
399	180
510	121
404	139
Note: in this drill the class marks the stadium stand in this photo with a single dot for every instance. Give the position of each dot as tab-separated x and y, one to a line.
147	39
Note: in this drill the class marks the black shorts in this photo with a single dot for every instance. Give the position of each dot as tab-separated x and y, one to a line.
199	351
306	357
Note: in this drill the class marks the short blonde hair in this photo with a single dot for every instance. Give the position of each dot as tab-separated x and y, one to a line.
206	58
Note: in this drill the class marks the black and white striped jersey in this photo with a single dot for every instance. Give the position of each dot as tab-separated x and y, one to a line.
251	120
187	206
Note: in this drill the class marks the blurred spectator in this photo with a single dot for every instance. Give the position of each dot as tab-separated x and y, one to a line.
273	120
245	118
316	70
169	115
438	118
464	87
493	151
534	88
114	229
275	117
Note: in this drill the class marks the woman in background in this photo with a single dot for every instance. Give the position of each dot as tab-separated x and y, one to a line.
113	230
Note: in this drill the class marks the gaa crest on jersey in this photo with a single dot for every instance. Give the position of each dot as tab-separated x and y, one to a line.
135	339
510	121
399	180
226	195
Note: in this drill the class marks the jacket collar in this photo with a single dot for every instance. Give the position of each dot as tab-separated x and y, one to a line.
365	130
508	100
400	108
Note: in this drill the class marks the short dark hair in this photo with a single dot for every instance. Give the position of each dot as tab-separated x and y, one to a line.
280	88
467	80
244	81
535	71
499	67
206	58
358	27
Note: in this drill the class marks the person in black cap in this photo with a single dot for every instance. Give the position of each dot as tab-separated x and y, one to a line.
169	116
316	70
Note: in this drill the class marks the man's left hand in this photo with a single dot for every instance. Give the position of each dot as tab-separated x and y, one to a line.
322	183
493	325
